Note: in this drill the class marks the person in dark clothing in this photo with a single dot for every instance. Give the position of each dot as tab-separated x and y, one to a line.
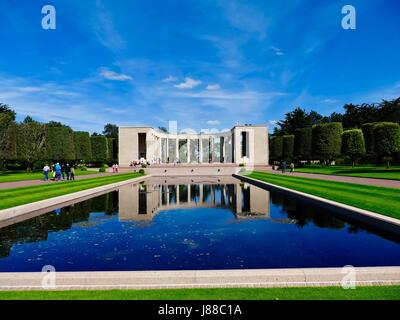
63	171
283	166
68	171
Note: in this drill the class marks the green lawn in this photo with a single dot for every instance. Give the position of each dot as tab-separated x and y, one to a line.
307	293
18	196
377	199
392	173
21	176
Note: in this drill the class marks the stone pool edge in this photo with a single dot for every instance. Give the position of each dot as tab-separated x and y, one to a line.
247	278
11	214
381	221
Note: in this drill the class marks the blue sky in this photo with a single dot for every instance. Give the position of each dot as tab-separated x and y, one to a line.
206	64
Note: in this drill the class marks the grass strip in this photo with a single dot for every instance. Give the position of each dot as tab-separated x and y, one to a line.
303	293
23	195
382	200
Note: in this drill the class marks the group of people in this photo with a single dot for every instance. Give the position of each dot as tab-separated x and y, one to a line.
284	167
59	171
115	168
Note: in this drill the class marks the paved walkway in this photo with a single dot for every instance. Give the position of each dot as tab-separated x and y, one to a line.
367	181
26	183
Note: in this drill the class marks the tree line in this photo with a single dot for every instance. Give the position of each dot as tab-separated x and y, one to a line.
370	133
31	142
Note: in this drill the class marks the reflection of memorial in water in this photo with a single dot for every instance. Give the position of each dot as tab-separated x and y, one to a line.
141	202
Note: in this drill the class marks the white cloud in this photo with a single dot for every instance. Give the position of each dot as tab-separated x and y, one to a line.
170	79
114	76
213	122
277	50
189	83
213	87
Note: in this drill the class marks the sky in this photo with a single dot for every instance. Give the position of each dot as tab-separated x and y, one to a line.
205	64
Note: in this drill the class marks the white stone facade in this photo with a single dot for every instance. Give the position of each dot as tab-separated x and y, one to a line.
242	144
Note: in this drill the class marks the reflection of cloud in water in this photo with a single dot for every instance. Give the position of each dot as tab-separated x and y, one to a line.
190	243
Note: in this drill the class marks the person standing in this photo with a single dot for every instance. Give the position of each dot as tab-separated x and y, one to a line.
68	171
283	166
72	173
116	168
292	167
63	171
57	168
46	170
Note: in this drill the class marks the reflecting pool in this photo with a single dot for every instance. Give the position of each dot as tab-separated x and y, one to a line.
198	223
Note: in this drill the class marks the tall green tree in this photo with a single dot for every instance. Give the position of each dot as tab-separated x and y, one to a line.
110	131
83	147
327	140
112	148
61	145
369	138
276	148
387	140
4	108
8	137
302	144
100	152
353	144
288	147
31	143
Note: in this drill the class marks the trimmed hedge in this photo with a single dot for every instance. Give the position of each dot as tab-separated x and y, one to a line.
327	140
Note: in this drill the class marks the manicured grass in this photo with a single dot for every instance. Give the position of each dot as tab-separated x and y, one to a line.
18	196
22	176
393	173
307	293
377	199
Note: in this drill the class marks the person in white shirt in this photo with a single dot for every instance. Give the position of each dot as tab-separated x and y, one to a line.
46	170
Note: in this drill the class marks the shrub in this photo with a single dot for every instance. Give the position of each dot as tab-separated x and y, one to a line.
83	168
276	148
141	171
353	144
327	140
102	169
61	143
288	147
302	144
99	149
388	136
83	148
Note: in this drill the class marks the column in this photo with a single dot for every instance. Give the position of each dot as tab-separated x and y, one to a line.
188	149
200	150
177	148
167	150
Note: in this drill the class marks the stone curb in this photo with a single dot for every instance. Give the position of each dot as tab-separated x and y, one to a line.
249	278
380	221
59	202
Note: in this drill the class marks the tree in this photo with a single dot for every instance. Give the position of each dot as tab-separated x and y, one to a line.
302	144
369	138
387	137
99	149
31	142
7	138
110	131
298	118
327	140
276	148
83	147
288	146
28	119
61	143
353	144
112	155
6	109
